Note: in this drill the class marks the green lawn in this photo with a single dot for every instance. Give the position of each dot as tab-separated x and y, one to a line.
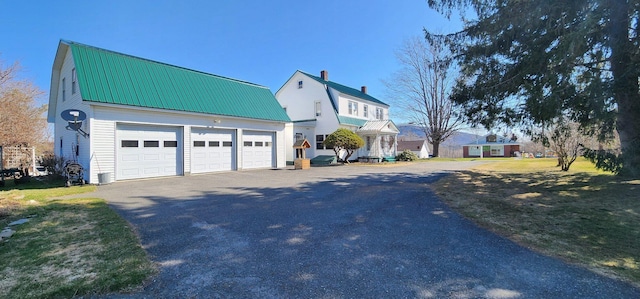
584	216
69	247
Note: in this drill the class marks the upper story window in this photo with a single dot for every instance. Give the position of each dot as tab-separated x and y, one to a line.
74	81
365	111
300	84
64	90
318	109
353	108
379	113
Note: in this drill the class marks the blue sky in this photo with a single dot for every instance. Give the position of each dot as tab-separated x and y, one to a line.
263	42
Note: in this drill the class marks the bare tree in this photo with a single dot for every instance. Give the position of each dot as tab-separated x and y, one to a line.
421	89
566	140
22	121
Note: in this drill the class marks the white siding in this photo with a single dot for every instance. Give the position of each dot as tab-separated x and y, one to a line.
343	108
300	103
97	153
186	121
281	148
71	138
285	139
186	141
103	148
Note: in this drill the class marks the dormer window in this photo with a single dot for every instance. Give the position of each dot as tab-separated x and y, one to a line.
299	84
353	108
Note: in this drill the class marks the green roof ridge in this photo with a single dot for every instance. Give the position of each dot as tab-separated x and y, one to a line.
346	89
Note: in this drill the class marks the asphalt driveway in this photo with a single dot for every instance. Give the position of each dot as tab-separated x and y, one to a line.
331	232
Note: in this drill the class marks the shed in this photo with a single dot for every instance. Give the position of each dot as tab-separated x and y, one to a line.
418	147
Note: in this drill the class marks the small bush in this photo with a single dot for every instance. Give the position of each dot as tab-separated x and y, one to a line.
407	155
53	164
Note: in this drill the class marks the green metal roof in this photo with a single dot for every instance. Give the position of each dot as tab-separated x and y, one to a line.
346	90
345	120
109	77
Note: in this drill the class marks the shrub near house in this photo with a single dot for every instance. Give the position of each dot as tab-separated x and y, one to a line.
344	140
407	155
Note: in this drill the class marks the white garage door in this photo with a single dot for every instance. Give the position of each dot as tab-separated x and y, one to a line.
212	150
148	151
257	150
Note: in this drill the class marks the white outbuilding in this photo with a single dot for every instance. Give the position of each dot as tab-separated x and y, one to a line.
124	117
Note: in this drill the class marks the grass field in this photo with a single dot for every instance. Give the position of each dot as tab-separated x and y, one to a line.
584	216
69	247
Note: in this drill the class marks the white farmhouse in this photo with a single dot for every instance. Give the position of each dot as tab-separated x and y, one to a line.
150	119
318	107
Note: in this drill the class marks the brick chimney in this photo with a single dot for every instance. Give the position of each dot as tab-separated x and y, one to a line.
363	89
324	75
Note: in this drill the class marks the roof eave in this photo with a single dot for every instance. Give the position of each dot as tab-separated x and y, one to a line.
61	52
131	107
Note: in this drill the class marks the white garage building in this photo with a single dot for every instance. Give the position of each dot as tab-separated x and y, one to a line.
149	119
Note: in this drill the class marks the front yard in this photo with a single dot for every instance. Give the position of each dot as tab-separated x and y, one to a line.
583	216
68	247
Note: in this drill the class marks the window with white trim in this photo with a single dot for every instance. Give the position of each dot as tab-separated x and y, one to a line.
64	89
300	84
379	114
318	109
319	142
74	81
353	108
365	111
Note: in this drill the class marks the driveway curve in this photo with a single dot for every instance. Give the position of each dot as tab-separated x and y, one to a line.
332	232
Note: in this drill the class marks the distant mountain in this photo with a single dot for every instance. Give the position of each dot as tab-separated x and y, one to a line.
413	132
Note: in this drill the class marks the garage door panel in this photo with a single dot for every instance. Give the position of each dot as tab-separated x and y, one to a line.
131	171
147	151
152	171
257	152
152	157
130	157
212	150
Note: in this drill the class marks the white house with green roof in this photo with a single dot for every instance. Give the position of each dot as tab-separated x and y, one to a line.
318	107
150	119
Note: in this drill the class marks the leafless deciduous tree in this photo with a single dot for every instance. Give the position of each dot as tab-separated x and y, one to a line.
421	89
566	140
22	121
